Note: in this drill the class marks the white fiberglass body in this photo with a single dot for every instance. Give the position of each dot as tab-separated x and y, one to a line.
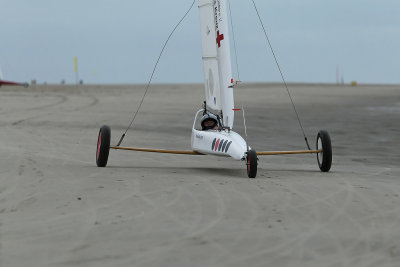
218	142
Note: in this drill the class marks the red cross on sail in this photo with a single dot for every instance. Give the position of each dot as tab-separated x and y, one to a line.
220	37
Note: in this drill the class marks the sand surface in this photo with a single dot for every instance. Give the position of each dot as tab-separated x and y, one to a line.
58	209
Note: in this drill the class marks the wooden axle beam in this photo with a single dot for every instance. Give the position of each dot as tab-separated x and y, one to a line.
191	152
271	153
165	151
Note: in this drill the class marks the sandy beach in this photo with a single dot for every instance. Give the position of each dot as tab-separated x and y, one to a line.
58	209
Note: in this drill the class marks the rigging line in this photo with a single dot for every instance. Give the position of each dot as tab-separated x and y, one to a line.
234	40
283	78
152	74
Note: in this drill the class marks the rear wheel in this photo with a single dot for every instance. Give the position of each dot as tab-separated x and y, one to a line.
251	162
324	157
103	146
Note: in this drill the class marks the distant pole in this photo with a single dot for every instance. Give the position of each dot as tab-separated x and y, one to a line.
337	74
76	70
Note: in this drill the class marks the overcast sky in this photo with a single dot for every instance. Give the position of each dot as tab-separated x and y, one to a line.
118	41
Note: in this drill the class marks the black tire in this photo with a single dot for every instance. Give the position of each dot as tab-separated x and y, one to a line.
251	163
103	146
325	157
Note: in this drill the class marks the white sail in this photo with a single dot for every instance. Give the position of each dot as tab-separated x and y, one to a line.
216	58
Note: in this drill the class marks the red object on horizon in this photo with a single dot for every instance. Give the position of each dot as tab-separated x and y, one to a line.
2	82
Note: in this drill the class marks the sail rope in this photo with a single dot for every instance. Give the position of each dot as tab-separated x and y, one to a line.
234	40
283	78
152	74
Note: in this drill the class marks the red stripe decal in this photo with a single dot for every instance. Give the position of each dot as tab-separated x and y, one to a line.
216	145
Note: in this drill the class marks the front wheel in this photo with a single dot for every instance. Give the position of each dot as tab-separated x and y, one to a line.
251	162
103	146
324	157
